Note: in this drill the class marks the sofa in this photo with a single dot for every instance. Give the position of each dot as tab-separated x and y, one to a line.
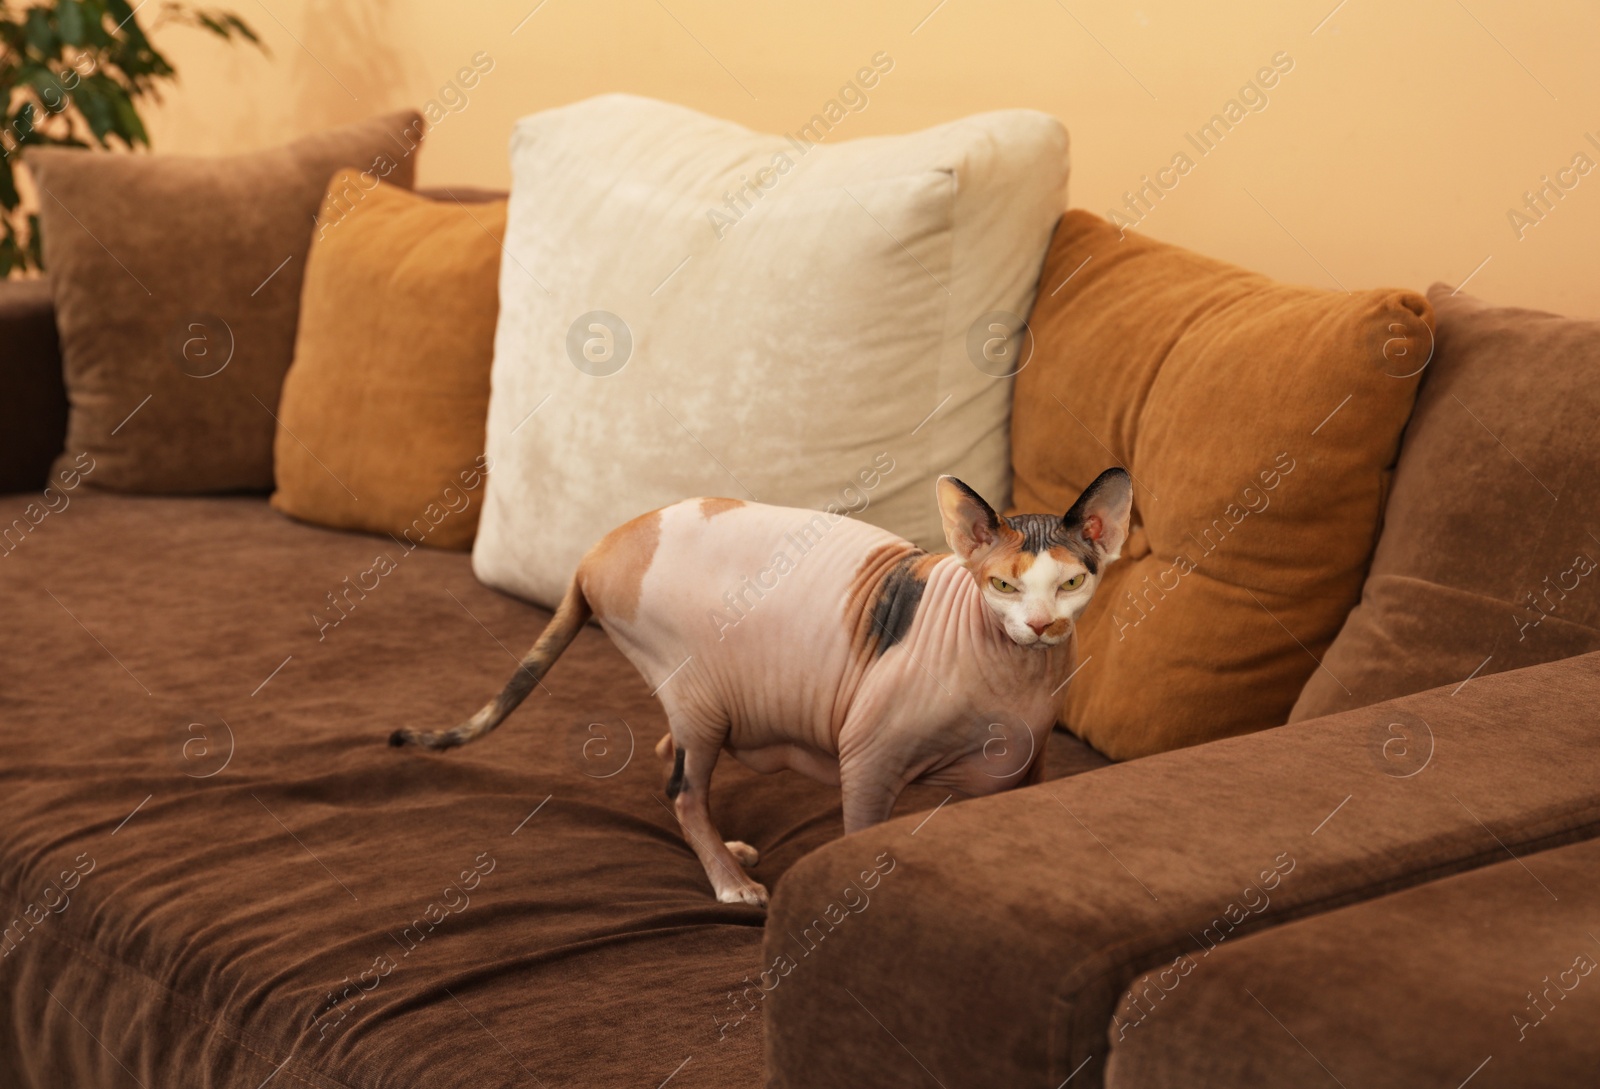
217	873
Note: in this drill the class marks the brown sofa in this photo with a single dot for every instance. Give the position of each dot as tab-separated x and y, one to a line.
217	874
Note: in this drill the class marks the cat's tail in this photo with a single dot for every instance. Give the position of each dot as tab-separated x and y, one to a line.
569	619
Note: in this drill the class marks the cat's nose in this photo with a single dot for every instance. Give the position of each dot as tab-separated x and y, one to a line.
1039	626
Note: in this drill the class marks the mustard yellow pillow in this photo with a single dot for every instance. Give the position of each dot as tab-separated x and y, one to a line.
1260	422
381	423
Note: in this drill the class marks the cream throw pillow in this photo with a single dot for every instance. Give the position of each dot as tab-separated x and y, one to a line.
689	308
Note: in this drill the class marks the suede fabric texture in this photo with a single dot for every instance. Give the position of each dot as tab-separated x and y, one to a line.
1000	947
1260	422
689	308
1489	558
1485	978
33	412
177	287
249	870
381	421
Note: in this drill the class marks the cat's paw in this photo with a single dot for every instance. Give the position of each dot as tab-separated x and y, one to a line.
746	893
743	853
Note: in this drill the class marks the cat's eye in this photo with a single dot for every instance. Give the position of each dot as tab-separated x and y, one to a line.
1003	586
1075	581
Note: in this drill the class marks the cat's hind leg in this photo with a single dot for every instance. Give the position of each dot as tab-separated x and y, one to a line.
743	852
696	747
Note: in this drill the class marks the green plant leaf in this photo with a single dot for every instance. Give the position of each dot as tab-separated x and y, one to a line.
75	67
41	33
114	96
129	125
19	128
53	96
96	110
127	25
119	10
71	23
94	22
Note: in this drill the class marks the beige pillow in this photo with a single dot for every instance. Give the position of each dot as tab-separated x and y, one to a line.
690	308
177	289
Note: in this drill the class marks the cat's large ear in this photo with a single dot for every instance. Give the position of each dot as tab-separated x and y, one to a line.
971	526
1100	516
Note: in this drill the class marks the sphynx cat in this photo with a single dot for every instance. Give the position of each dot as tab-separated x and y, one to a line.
847	654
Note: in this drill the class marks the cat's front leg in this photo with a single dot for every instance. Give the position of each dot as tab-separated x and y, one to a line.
871	770
869	797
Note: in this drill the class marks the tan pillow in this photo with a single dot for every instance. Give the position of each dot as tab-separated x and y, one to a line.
1489	559
177	284
382	412
1259	421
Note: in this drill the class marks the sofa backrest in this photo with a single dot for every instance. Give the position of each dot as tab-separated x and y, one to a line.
33	409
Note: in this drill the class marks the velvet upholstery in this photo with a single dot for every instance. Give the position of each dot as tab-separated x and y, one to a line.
380	426
186	721
1486	977
33	411
177	288
1001	947
1489	558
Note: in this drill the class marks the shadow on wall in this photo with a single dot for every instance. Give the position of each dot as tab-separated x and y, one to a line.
352	65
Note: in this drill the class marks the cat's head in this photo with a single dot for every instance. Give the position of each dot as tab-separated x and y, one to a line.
1037	572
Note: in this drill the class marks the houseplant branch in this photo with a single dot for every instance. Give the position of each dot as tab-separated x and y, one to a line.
74	73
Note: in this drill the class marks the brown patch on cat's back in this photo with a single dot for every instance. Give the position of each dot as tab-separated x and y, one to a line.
612	572
868	573
883	597
866	587
713	507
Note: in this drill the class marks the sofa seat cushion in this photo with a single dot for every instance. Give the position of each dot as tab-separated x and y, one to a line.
216	868
1487	977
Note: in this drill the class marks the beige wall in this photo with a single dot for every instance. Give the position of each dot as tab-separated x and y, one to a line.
1391	153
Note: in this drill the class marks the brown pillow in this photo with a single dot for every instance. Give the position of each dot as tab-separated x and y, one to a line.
1488	559
383	411
177	284
1259	421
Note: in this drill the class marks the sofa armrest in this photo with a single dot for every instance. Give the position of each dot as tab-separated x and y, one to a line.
33	397
992	942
